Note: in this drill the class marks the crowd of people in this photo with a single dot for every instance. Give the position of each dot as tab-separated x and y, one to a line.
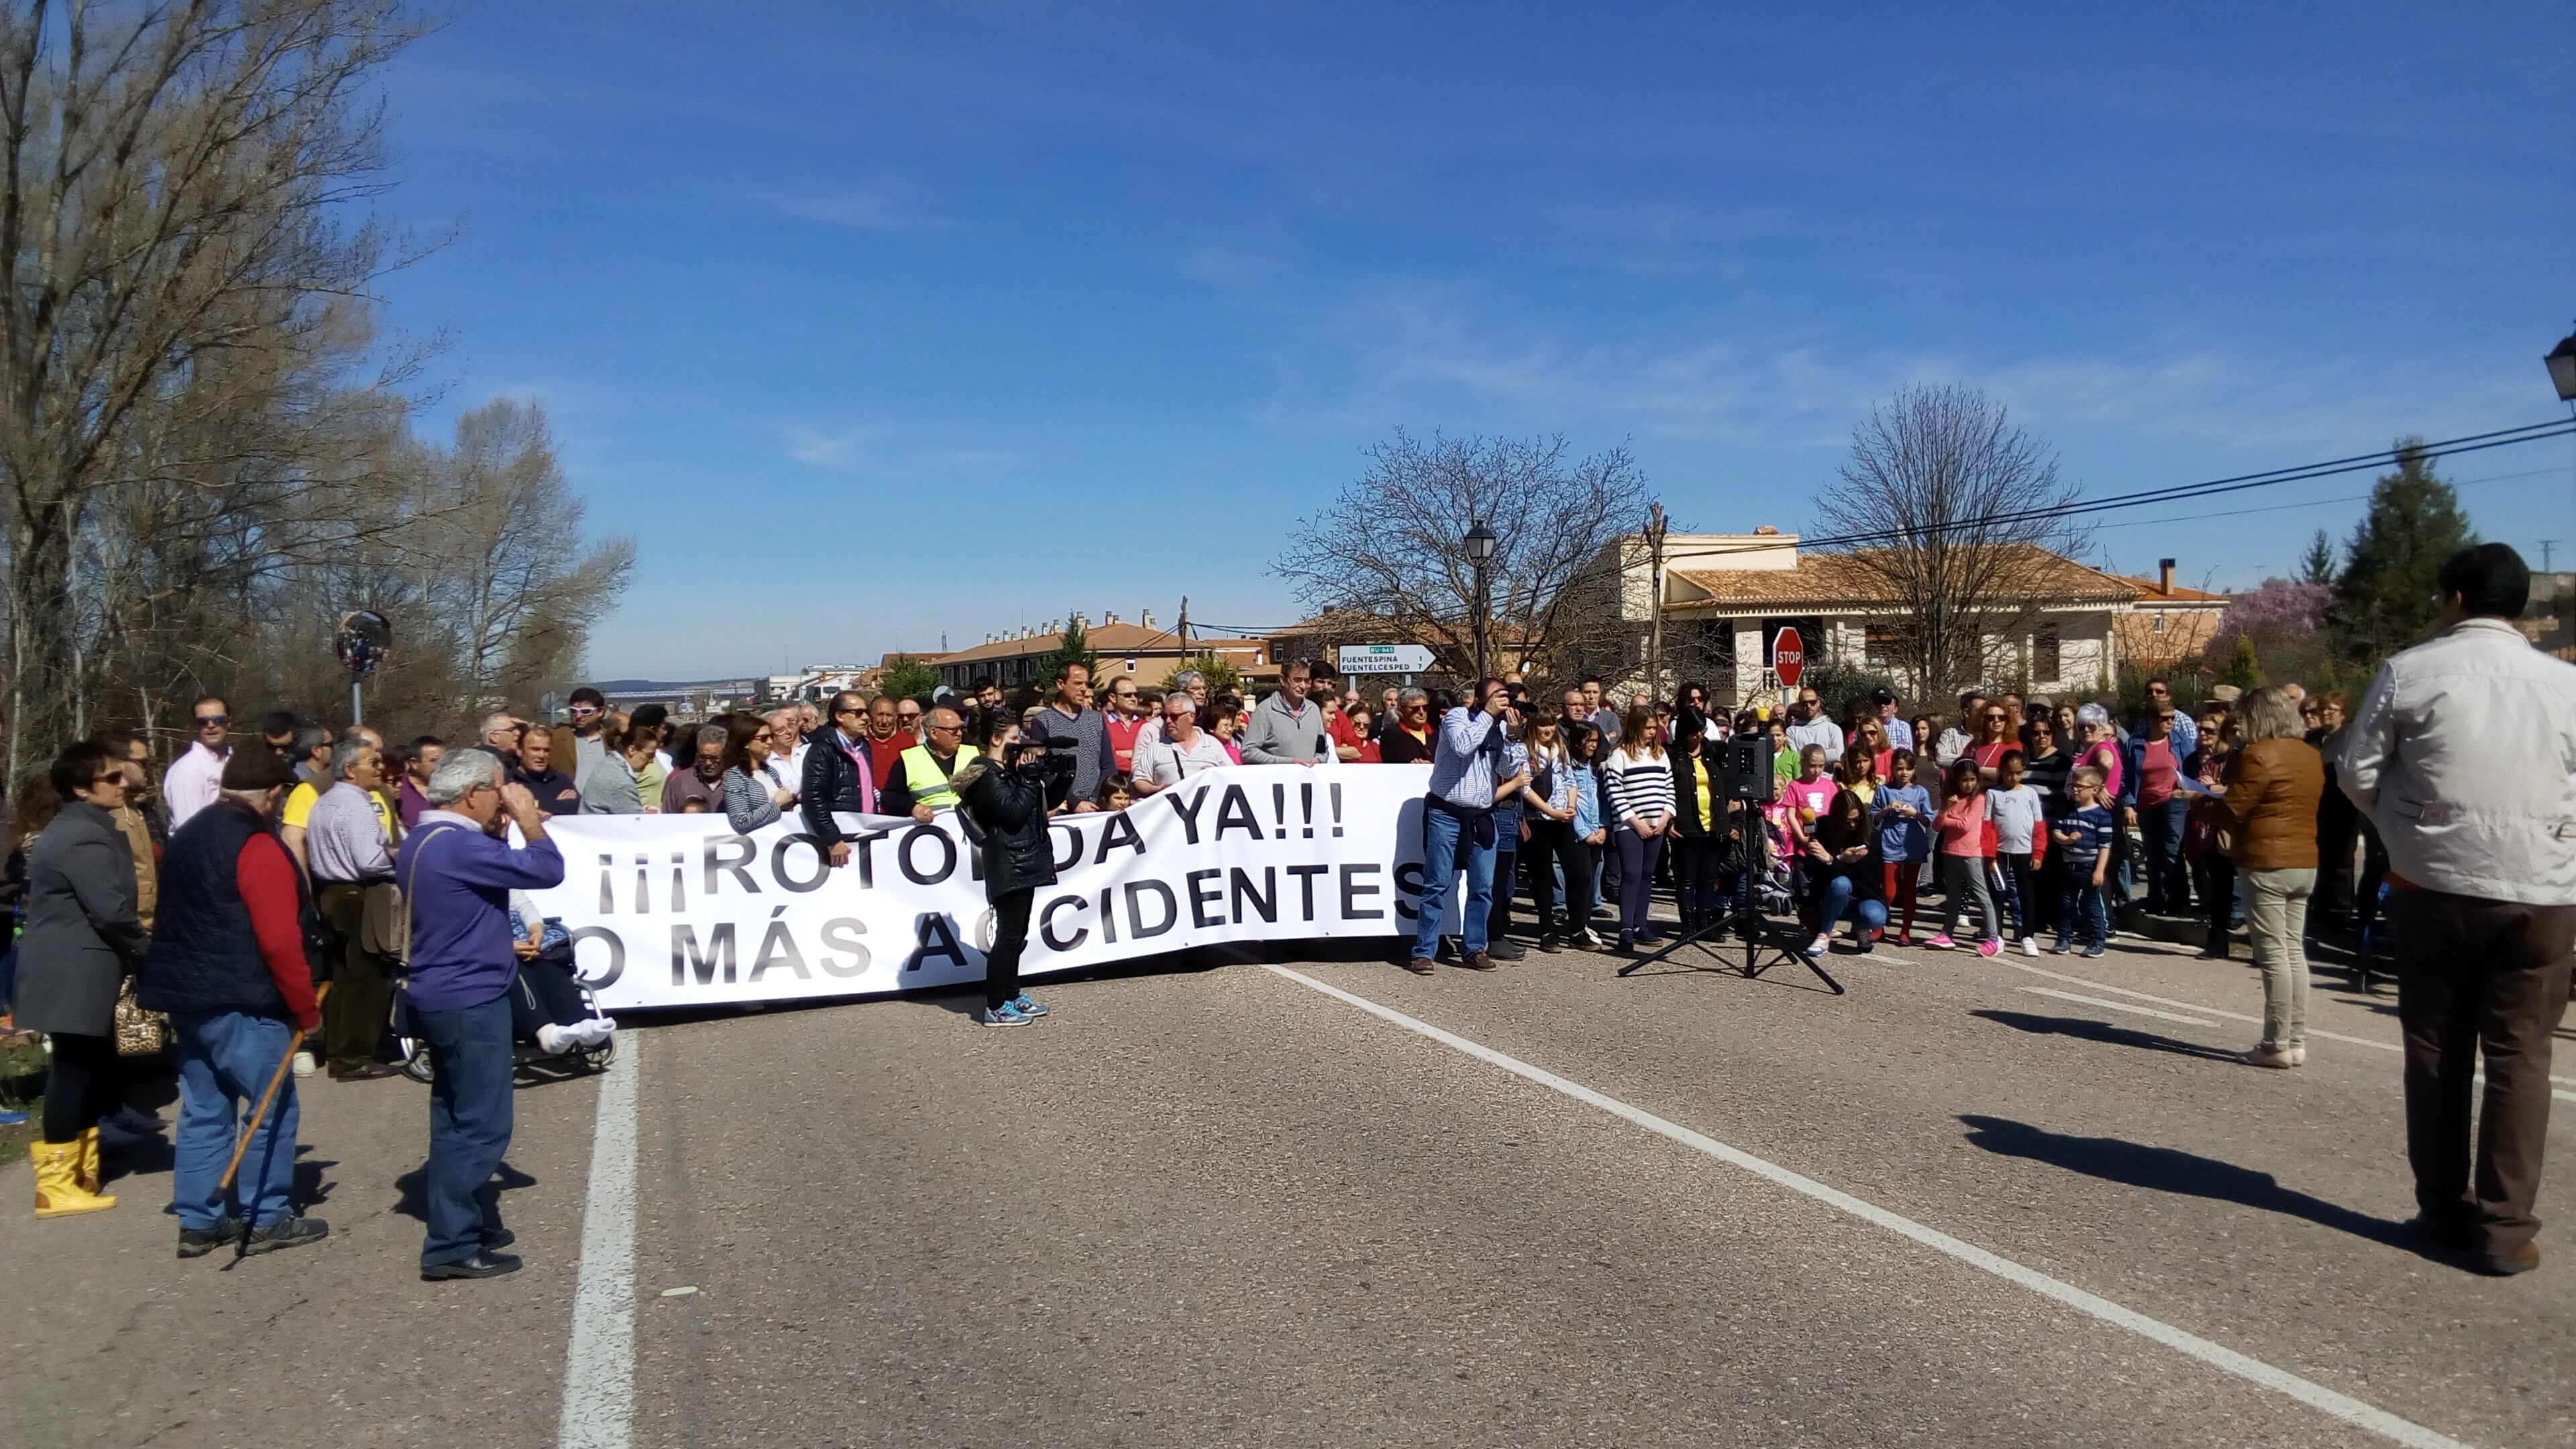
263	871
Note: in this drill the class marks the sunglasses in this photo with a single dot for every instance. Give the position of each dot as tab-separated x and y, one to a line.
213	719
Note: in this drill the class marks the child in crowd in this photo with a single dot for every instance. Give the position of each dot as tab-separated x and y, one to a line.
1118	791
2084	852
2016	809
1965	835
1904	818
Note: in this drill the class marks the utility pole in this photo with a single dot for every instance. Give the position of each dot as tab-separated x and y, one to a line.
1655	531
1185	631
2548	549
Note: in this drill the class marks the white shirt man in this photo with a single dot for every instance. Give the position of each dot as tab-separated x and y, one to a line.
1180	751
787	745
195	779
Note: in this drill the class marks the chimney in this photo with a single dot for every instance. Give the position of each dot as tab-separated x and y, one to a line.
1145	619
2164	574
1110	617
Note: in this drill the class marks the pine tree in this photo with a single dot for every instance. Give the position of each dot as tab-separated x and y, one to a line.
1073	646
2317	565
2384	600
907	677
2244	670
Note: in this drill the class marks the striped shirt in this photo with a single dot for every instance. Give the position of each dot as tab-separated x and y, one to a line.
1638	784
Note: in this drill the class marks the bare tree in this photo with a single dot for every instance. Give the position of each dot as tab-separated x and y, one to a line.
1944	505
1390	553
503	535
172	178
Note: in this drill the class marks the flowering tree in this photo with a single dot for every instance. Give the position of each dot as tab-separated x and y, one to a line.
2277	618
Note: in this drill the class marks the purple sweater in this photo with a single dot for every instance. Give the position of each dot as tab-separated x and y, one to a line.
459	882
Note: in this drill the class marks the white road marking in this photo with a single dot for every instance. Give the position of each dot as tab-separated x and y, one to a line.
599	1364
2558	1084
2118	1006
2252	1370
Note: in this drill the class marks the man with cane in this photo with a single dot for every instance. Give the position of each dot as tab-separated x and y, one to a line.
456	872
230	962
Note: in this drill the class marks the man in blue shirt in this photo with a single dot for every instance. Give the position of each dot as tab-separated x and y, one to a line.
1458	832
456	874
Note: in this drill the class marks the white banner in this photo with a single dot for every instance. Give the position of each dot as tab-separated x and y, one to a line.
679	910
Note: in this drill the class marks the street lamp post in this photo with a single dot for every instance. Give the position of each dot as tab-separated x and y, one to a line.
2562	368
1480	552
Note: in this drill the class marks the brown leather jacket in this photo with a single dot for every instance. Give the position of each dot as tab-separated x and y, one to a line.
2272	792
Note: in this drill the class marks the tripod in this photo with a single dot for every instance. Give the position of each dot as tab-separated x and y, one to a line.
1764	942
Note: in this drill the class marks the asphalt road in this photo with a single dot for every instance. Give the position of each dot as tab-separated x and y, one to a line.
1228	1207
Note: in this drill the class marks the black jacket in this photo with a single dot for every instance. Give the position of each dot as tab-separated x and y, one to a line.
556	793
832	783
1007	808
1686	821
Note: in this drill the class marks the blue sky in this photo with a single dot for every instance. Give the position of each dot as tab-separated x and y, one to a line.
871	322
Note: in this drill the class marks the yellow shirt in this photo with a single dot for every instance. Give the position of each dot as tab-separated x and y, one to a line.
299	808
1699	782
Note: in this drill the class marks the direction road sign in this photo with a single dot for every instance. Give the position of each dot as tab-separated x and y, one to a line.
1788	657
1384	659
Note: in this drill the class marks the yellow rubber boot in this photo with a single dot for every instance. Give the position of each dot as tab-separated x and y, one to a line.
89	1174
58	1190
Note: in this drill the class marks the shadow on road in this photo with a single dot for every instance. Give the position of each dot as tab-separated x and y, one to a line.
2104	1032
2168	1169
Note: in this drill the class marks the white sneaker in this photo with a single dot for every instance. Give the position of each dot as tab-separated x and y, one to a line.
555	1040
1821	945
2030	945
304	1064
594	1032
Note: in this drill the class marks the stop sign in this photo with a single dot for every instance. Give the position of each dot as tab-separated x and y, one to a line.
1788	657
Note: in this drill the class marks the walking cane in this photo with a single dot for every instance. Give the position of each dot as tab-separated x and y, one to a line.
241	1144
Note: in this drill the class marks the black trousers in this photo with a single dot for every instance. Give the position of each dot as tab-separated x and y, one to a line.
1498	919
362	983
1010	938
81	1084
1695	893
2214	876
2476	975
1553	843
544	995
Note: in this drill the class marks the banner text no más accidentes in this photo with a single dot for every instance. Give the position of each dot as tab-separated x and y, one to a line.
680	910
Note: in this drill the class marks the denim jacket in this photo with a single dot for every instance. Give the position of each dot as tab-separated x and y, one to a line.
1578	783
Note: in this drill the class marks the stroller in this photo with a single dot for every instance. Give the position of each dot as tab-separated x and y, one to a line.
546	978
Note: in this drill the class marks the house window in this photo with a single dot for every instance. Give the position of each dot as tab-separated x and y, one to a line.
2160	622
1881	647
2044	657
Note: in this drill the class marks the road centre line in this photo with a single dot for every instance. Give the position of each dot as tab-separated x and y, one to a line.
599	1362
2252	1370
2119	1006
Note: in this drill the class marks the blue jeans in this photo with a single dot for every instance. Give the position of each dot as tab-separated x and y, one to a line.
1836	904
1445	852
469	1123
2081	909
225	1061
2168	882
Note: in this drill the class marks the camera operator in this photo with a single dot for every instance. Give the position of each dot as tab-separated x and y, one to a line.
1004	796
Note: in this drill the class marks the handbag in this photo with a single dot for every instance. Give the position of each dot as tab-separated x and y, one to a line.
139	1032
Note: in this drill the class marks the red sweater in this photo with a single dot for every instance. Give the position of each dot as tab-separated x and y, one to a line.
265	875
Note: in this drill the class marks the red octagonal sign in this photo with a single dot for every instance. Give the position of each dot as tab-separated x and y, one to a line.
1788	657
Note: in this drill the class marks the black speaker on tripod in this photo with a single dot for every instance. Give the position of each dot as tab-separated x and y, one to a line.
1741	774
1744	770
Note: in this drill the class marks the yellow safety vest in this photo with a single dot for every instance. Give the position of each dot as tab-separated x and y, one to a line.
928	783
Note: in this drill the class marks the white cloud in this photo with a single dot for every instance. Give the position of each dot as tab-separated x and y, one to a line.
822	450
